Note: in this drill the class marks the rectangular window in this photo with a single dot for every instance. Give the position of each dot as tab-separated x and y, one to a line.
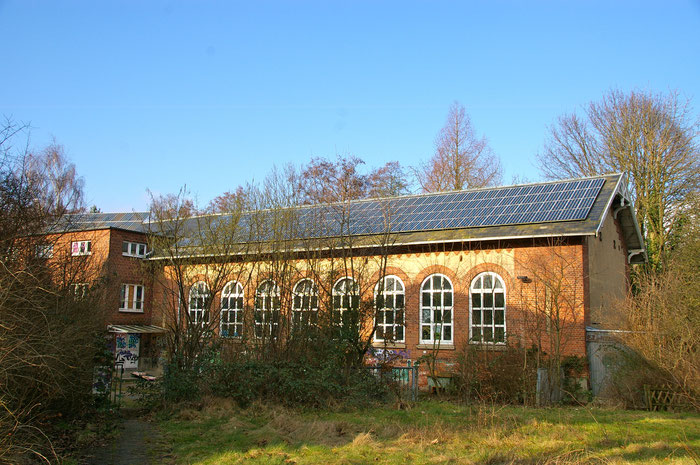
80	290
44	250
131	298
81	248
133	249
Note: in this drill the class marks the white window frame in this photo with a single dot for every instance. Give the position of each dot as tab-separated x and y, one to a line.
431	308
343	300
304	304
397	312
199	294
491	311
267	310
44	250
232	306
80	290
134	249
79	248
129	301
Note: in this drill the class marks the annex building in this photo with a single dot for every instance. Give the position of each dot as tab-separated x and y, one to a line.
480	268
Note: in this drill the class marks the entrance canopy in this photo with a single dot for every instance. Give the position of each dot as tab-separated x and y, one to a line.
135	329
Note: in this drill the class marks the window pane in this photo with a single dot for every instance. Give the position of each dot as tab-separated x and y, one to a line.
426	316
499	317
488	335
297	301
500	335
488	300
498	284
447	332
125	247
389	301
476	300
437	316
476	334
447	316
425	333
477	284
476	317
239	302
400	301
448	299
380	301
399	317
389	317
437	299
488	317
426	299
488	284
389	284
500	302
399	333
437	282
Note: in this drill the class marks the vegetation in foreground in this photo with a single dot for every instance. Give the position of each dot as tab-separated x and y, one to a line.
217	432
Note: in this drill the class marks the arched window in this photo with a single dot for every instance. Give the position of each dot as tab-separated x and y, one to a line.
346	296
267	310
436	309
232	310
199	303
305	304
390	297
488	309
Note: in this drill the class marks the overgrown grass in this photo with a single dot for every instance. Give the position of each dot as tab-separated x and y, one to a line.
431	432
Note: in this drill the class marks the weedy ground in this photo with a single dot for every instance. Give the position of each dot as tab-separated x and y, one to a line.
429	432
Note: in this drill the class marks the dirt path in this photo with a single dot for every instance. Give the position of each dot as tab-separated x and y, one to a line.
137	444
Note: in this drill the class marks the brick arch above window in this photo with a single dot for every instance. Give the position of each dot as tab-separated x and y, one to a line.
473	272
457	285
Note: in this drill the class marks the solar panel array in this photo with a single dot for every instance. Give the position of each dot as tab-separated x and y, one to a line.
535	203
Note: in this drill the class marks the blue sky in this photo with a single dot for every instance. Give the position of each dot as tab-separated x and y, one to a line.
154	95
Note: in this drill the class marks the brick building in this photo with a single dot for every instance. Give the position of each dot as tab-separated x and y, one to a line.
481	267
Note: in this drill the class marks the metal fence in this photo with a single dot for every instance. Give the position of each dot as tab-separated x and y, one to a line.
401	380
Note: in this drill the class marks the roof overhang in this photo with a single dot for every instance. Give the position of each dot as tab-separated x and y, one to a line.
621	207
135	329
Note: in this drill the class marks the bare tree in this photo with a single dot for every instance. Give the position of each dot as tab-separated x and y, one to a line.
59	186
47	330
552	309
462	160
652	136
193	263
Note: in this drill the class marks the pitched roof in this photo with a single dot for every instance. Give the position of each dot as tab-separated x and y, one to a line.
574	207
133	221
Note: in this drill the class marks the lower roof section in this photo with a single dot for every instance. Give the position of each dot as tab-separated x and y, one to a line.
135	329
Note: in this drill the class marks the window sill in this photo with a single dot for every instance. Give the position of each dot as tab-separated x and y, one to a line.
392	345
126	310
488	346
431	346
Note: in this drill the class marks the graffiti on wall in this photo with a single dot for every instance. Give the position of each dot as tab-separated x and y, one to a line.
379	355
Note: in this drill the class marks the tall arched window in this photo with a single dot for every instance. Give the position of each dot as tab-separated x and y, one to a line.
199	303
305	304
488	309
346	296
436	309
267	310
232	310
390	296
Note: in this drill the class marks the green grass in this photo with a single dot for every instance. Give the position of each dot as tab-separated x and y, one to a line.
431	432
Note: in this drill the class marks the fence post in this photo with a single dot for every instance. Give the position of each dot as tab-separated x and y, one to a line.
414	380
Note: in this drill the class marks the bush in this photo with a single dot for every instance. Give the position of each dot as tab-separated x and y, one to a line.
506	375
